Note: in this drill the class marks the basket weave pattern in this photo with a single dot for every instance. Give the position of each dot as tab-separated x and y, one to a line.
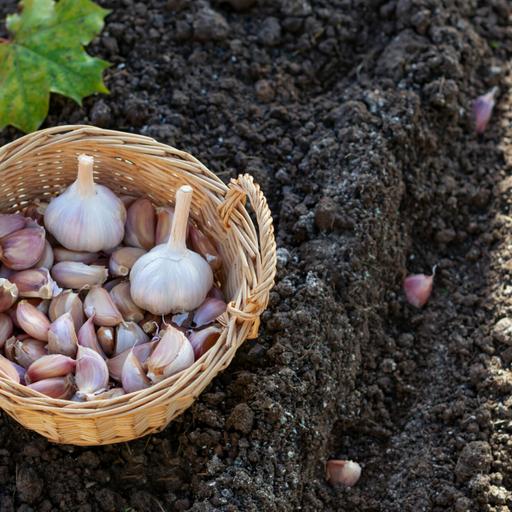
40	165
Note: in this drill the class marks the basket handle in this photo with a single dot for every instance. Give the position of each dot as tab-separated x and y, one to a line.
238	191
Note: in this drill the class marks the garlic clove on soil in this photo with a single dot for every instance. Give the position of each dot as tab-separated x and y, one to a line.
86	216
32	321
133	377
99	304
342	472
140	224
78	276
482	110
122	260
48	366
171	278
418	288
62	337
91	375
23	249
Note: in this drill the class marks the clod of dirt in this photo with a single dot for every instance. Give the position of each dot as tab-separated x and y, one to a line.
502	330
101	114
475	458
241	419
209	25
270	32
28	485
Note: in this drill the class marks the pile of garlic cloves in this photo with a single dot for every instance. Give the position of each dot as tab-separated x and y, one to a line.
103	295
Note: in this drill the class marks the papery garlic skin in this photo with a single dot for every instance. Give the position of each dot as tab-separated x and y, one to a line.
171	278
86	216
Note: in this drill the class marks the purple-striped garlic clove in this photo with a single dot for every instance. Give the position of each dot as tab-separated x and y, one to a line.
172	354
123	300
106	339
23	249
8	294
87	337
216	293
99	303
201	244
11	222
128	335
133	377
35	283
79	276
122	260
48	366
204	340
141	352
63	254
6	328
208	311
140	224
91	375
21	372
62	337
32	321
61	388
28	351
164	216
8	370
67	302
46	260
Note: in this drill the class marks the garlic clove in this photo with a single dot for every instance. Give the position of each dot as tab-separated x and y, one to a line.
203	340
67	302
208	311
35	211
8	294
123	259
6	272
171	278
46	260
11	222
172	354
164	216
128	335
91	375
108	395
6	328
123	300
99	303
182	319
63	254
87	337
482	110
418	288
35	282
48	366
106	340
28	351
22	249
8	371
342	472
140	224
86	216
79	276
201	244
21	372
62	337
113	282
127	200
61	388
151	323
41	305
216	293
9	345
32	321
141	352
133	377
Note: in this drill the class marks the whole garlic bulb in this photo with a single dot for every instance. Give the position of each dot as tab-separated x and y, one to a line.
171	278
86	216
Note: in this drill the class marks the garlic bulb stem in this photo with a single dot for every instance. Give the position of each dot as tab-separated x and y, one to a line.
85	181
178	238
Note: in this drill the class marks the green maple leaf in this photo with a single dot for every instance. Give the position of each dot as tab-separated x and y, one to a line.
46	54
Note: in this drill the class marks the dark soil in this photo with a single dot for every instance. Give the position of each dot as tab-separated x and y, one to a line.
353	115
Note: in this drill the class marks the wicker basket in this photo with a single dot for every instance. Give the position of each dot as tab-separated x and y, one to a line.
40	165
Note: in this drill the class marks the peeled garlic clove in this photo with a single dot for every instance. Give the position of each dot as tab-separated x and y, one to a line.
482	109
99	303
342	472
201	244
91	375
46	367
141	352
8	294
171	278
208	311
46	260
7	370
140	224
28	351
133	377
11	222
164	216
73	274
32	321
6	328
35	282
62	337
86	216
204	340
418	287
123	259
108	395
61	388
87	337
128	335
22	249
63	254
172	354
123	300
106	340
67	302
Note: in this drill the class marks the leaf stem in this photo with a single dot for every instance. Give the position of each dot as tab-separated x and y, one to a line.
177	240
85	180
